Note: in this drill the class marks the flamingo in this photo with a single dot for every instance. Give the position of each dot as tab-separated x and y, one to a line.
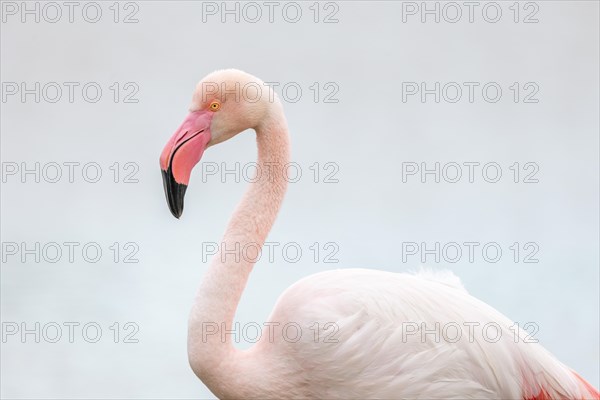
364	333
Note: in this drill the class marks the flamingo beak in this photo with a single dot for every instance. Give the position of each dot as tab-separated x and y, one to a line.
181	154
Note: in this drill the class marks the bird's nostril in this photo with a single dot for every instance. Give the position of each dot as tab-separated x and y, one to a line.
181	138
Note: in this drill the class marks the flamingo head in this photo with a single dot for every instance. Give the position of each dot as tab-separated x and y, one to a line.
224	103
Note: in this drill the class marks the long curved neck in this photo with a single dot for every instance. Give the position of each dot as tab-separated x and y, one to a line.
211	352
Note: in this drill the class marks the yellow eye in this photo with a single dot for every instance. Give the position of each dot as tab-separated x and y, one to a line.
215	105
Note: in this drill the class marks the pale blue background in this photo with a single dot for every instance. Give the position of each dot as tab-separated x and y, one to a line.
369	133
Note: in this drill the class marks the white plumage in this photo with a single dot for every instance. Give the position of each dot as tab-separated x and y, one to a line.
379	355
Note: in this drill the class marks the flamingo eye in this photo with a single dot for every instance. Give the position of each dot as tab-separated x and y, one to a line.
214	106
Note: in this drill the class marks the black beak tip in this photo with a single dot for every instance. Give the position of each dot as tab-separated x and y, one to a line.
176	213
174	192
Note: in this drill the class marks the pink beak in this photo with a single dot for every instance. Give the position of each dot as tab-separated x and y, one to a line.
181	154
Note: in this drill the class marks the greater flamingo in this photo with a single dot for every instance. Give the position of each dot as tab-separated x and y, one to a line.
365	333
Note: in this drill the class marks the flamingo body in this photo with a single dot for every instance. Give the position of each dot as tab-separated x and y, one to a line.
364	334
371	348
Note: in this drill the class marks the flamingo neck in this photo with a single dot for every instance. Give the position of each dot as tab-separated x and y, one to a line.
212	355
